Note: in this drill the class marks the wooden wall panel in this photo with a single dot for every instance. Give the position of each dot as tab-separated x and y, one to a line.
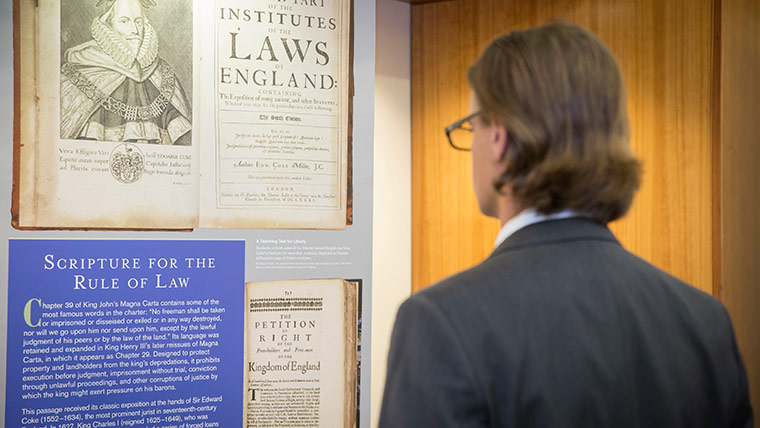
740	180
665	53
448	232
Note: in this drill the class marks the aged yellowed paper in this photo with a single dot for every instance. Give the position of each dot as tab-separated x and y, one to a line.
301	354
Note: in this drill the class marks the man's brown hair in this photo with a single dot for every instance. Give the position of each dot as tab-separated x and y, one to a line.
558	91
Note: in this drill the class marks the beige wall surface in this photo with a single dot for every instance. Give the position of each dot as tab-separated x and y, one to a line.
391	241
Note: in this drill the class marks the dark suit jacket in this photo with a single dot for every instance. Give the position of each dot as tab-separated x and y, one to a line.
562	327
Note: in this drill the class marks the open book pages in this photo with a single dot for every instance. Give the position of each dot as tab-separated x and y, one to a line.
301	354
190	113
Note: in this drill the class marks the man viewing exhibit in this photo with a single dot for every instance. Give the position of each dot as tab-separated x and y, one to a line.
115	87
560	326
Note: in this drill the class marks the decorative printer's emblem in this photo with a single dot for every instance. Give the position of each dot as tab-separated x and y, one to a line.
127	163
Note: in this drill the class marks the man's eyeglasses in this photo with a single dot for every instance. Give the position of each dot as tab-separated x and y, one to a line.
459	133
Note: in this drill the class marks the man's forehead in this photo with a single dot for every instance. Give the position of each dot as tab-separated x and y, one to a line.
128	8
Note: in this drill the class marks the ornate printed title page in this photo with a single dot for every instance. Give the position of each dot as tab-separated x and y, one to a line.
280	115
301	354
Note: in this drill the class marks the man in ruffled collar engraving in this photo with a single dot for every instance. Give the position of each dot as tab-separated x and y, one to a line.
116	88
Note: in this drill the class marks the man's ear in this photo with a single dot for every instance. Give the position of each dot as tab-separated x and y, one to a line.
499	139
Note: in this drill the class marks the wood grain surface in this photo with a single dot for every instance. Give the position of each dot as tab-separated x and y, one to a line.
740	180
691	73
665	52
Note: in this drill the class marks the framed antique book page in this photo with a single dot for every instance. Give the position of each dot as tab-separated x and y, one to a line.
145	114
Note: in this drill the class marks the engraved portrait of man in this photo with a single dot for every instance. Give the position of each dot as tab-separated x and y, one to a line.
115	86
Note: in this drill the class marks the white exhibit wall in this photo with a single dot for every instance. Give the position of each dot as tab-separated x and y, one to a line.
392	234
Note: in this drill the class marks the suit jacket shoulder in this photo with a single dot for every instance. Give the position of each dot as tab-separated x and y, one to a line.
561	326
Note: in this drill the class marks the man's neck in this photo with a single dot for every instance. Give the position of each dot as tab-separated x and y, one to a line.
508	209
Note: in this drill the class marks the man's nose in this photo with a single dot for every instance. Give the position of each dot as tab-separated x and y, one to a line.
134	28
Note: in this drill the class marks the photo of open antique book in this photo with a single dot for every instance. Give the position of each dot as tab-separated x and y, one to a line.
145	114
301	353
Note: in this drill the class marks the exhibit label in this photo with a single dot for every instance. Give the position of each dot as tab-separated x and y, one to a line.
125	333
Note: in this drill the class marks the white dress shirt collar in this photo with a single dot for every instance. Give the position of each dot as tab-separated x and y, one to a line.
526	218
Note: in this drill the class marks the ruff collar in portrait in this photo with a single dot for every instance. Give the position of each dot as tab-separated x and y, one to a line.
110	42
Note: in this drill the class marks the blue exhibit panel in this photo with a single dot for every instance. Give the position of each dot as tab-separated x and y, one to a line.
125	333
